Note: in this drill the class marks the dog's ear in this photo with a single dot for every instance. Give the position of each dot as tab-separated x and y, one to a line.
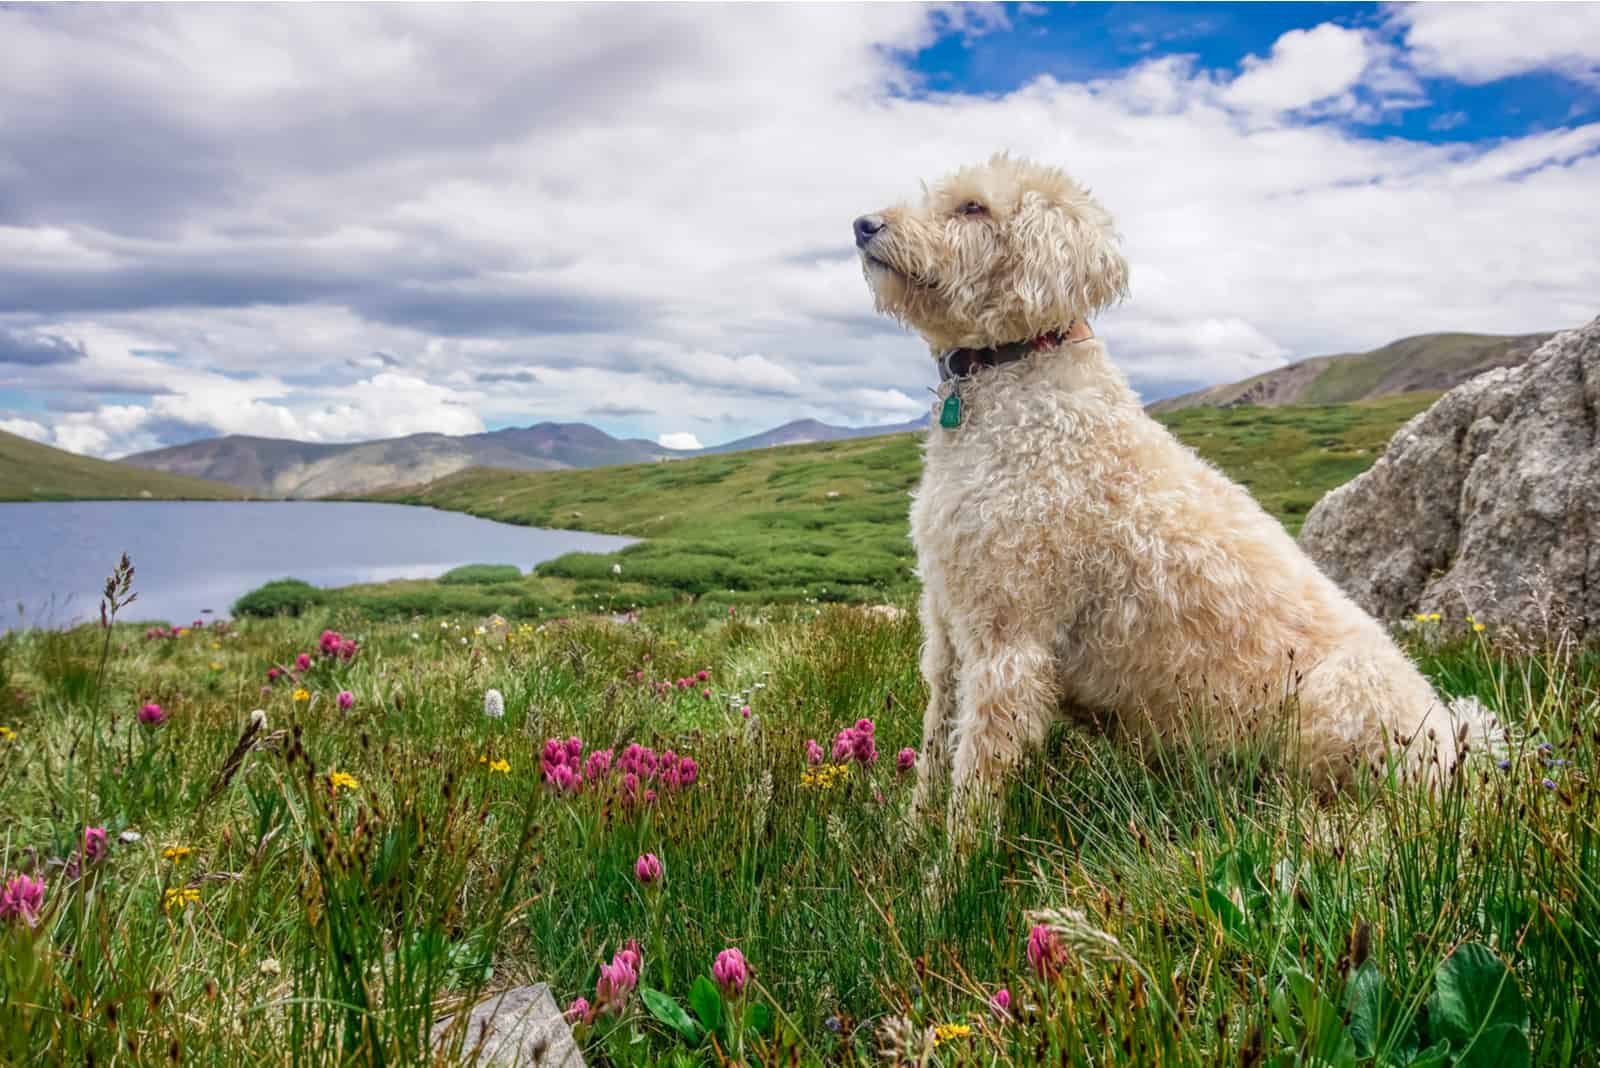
1071	267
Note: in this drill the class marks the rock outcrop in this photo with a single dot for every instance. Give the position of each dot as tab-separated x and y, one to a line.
1487	504
521	1027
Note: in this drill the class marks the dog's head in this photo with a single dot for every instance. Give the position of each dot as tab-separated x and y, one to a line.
995	253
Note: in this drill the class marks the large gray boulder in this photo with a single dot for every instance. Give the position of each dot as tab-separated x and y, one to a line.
518	1028
1487	504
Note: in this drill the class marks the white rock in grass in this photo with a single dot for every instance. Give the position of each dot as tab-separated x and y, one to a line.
494	705
522	1026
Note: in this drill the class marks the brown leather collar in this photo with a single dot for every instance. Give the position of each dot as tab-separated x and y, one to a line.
959	363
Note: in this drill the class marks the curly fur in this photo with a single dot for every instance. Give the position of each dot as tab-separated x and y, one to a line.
1076	559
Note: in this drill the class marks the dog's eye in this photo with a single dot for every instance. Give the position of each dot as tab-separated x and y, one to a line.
972	207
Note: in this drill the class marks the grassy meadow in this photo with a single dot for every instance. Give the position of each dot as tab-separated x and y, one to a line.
310	838
323	883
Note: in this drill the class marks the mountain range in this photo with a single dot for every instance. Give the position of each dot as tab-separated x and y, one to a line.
276	467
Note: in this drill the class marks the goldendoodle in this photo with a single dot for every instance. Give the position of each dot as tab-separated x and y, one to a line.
1076	559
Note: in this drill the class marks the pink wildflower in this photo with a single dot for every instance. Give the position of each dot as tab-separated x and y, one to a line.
731	972
329	643
574	750
905	760
152	715
1000	1004
346	700
94	843
745	711
273	674
706	692
814	753
618	979
702	676
347	649
22	899
856	743
598	765
647	869
578	1011
302	662
1045	952
563	778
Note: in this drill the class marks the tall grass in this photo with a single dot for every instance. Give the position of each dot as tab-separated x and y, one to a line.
1201	912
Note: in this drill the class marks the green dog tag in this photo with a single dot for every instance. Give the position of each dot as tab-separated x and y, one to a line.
950	414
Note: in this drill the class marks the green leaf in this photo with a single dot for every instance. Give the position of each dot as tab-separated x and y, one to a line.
706	1001
758	1018
670	1013
1501	1046
1363	1000
1435	1056
1473	991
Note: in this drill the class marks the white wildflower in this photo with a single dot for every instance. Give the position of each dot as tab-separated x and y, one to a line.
616	569
271	968
129	837
494	705
258	719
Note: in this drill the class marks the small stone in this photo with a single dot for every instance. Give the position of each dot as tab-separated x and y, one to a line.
522	1026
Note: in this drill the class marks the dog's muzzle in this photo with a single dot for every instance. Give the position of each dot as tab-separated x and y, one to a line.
867	227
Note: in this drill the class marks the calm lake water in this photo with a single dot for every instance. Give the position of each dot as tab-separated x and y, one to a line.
190	556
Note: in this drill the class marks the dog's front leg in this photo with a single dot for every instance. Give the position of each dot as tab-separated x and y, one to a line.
1007	695
939	672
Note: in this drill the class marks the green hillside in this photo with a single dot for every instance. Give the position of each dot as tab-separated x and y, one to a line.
822	521
30	471
1425	363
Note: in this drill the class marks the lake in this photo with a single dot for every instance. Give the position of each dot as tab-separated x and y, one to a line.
191	557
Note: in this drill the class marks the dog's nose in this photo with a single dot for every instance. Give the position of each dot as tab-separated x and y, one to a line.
866	227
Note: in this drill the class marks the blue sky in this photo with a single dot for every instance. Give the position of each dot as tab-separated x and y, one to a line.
339	223
1079	42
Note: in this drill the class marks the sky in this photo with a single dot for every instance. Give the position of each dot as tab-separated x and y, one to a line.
339	223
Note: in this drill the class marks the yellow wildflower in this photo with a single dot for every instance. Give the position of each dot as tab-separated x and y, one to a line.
176	852
216	645
179	897
342	780
949	1032
823	777
502	766
1421	618
302	694
1434	618
1477	627
6	733
182	631
216	665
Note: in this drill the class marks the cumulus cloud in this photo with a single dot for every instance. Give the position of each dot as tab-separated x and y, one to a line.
367	221
26	428
1305	66
1478	43
679	440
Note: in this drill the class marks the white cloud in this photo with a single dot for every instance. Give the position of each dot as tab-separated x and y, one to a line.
653	226
1478	43
680	440
1305	66
25	428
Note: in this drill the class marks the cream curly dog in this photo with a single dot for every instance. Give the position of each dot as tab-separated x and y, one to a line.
1076	559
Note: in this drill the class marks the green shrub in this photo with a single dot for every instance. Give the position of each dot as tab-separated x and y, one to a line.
481	574
282	597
